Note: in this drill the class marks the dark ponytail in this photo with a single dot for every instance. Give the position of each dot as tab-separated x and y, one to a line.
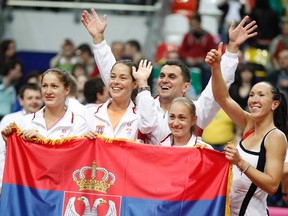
280	116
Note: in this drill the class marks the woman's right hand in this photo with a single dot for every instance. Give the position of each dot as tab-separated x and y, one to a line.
94	25
213	57
7	131
232	154
142	74
31	135
90	135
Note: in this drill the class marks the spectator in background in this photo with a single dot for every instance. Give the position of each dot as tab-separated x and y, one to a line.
66	58
244	80
278	43
81	80
280	77
30	101
95	92
79	69
118	48
233	10
7	51
196	43
172	55
11	74
73	103
34	77
268	24
85	57
220	131
133	51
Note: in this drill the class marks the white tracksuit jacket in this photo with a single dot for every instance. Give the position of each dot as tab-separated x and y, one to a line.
133	122
70	124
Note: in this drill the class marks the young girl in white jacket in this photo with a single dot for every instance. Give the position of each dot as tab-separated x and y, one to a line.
182	122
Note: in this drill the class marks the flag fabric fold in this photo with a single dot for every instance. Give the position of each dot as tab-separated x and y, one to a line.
113	177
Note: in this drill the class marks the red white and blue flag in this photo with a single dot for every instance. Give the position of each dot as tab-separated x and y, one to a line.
112	178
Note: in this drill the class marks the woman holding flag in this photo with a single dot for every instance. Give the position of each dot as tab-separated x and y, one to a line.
55	120
258	159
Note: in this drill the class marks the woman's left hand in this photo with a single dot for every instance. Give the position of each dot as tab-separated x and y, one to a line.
31	135
90	135
143	72
201	145
232	154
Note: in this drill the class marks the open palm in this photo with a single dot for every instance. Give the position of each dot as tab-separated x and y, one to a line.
143	72
241	33
93	24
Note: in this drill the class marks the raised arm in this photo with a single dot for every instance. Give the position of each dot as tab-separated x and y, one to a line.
220	90
103	55
229	62
146	106
238	35
94	25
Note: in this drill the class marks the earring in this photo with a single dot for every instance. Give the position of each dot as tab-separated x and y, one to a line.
66	103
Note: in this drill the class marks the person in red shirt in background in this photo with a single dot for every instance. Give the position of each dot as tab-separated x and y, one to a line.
196	43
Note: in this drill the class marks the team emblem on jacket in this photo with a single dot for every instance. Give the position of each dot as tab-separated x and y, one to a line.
100	129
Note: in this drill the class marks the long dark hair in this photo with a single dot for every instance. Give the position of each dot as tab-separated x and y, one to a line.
280	116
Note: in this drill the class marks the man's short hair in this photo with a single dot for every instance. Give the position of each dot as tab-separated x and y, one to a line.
91	88
184	69
31	86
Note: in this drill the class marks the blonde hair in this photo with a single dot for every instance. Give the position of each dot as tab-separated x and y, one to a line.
189	103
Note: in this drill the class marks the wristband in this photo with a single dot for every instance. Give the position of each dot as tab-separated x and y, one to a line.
145	88
245	169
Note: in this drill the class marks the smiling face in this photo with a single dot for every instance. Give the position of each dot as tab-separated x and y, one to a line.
31	101
170	83
53	90
181	119
121	83
260	101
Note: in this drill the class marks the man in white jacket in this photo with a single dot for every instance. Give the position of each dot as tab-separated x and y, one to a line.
171	82
31	101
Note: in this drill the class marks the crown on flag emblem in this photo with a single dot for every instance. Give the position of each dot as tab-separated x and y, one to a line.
93	178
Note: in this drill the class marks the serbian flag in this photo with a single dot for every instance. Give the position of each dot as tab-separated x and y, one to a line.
109	177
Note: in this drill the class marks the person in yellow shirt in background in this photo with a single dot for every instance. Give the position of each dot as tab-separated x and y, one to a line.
220	131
